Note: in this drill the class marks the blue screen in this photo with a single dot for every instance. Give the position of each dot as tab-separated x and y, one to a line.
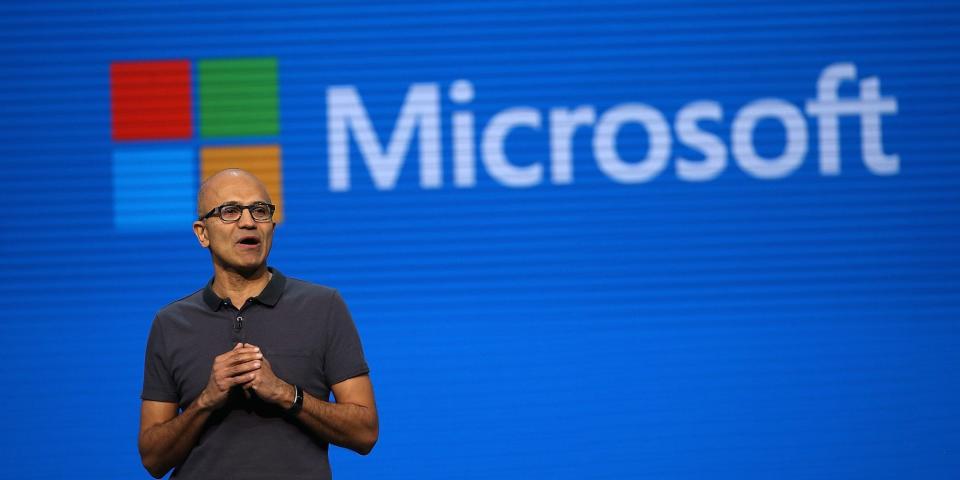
579	240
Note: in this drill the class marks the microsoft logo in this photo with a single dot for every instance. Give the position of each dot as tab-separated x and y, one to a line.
175	122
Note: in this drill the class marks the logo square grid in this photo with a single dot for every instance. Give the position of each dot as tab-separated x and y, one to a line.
155	162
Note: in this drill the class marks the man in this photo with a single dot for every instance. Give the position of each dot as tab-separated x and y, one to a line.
237	375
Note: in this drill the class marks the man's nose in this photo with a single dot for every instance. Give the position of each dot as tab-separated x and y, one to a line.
246	219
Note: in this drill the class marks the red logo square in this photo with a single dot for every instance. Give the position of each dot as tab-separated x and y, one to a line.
151	100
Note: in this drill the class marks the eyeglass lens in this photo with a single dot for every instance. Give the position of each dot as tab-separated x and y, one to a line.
232	213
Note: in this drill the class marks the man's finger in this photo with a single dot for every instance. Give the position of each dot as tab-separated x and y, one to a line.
229	382
243	350
229	357
244	380
242	368
241	358
237	351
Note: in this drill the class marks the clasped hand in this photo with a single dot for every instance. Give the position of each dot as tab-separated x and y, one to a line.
244	366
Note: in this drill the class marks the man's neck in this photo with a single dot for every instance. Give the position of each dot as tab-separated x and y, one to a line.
238	287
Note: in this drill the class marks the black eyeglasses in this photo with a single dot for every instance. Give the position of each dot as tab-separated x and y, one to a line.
229	213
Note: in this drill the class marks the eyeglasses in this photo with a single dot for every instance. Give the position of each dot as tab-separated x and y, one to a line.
229	213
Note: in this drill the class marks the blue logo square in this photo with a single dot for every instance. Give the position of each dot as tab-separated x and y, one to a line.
154	188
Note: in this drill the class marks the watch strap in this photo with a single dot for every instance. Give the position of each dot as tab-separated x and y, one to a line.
297	401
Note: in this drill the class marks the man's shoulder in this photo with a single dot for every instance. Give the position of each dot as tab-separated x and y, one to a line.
314	291
179	306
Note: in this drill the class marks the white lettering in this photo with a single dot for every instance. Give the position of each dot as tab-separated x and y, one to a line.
742	138
871	135
563	124
420	115
713	149
605	143
464	170
494	157
828	108
420	111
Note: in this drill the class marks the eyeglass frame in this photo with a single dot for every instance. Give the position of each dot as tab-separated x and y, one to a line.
218	212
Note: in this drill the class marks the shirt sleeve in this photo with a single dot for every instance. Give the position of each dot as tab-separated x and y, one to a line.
343	357
158	384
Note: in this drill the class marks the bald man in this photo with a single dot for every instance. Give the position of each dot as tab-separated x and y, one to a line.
238	375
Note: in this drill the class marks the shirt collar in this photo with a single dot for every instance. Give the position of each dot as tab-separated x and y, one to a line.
269	296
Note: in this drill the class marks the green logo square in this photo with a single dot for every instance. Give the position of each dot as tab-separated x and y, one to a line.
238	97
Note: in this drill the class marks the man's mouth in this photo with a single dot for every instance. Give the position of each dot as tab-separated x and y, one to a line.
249	242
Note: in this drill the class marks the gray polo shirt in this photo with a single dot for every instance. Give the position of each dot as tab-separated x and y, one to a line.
306	333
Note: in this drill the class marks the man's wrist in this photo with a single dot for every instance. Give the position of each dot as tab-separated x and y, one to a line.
287	395
297	404
202	404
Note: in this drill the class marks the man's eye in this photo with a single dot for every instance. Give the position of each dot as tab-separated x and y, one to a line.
230	210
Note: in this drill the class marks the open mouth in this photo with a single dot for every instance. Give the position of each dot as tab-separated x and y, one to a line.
249	241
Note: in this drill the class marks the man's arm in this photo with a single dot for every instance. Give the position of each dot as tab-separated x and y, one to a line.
351	422
167	438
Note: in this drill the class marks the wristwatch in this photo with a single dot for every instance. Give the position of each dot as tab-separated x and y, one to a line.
297	402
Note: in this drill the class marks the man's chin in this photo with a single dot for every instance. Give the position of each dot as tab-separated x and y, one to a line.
246	269
251	269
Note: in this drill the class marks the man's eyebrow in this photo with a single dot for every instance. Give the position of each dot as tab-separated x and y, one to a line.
235	202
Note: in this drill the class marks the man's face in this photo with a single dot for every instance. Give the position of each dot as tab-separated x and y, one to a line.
243	245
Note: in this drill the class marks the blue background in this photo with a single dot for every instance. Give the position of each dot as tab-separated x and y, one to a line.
804	327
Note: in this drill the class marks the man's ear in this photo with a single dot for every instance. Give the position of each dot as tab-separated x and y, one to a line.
200	230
